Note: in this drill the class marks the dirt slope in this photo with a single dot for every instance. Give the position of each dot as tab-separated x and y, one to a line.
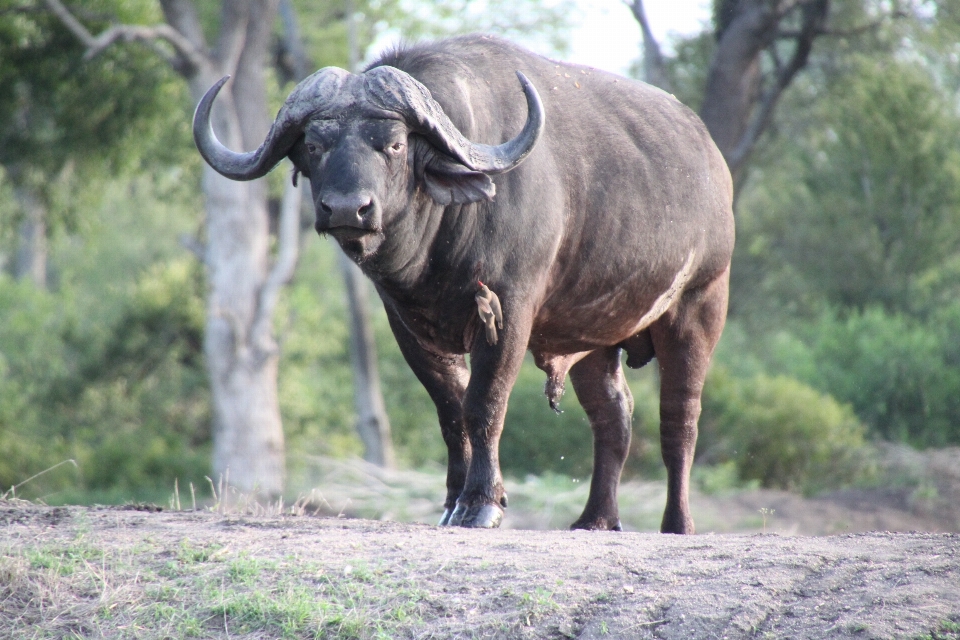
454	583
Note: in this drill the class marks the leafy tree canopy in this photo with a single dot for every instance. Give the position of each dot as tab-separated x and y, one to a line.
56	107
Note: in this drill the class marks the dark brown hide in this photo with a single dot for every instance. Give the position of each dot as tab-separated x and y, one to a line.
615	233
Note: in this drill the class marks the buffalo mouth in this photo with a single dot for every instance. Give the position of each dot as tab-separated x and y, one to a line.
349	233
357	243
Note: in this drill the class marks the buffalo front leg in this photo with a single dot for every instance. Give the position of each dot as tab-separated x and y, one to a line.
684	339
445	378
494	369
606	398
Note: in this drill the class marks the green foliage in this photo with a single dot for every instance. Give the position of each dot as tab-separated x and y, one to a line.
324	26
107	369
29	348
780	432
899	373
56	106
846	268
537	440
864	208
894	371
133	410
147	380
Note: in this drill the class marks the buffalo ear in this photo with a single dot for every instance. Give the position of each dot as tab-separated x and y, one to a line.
449	182
300	159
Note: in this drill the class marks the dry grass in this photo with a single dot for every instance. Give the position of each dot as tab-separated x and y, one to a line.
79	589
356	488
95	580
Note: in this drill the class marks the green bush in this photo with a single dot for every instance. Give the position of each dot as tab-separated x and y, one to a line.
32	356
900	373
894	370
780	432
129	401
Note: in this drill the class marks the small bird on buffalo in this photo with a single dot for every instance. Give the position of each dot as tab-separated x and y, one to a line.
488	305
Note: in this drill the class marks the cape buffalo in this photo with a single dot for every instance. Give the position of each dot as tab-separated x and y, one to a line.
604	225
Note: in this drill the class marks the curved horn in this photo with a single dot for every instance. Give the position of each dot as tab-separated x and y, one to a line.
395	90
307	97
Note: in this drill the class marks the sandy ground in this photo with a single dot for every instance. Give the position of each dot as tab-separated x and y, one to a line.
560	584
857	563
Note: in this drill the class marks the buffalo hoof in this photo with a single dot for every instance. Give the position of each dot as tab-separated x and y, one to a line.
679	524
484	516
598	524
445	518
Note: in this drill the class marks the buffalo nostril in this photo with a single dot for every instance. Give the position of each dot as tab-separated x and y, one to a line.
350	209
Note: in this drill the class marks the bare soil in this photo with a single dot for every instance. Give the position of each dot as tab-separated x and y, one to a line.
501	583
879	562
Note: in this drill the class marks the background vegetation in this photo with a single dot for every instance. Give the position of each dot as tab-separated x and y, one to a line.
844	323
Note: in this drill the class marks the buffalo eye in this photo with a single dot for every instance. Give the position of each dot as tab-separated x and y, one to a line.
311	148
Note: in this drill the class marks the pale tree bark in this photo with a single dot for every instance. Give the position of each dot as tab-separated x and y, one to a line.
241	352
31	258
373	424
742	91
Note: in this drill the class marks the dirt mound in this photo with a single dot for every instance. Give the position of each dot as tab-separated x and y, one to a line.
121	573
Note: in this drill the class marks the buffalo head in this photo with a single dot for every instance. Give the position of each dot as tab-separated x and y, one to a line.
368	142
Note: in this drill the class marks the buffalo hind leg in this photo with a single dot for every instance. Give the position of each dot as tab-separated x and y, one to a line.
445	378
603	392
684	339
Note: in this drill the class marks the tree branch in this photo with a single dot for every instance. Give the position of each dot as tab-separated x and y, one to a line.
654	69
814	17
842	33
288	241
182	16
137	33
234	19
128	33
70	22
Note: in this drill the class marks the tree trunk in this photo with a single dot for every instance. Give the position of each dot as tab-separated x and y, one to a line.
248	442
373	425
740	95
248	439
241	353
31	259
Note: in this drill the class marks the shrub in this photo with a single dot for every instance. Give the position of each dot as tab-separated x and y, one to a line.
128	401
780	432
900	373
892	370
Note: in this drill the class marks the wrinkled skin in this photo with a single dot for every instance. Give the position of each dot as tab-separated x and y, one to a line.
614	234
